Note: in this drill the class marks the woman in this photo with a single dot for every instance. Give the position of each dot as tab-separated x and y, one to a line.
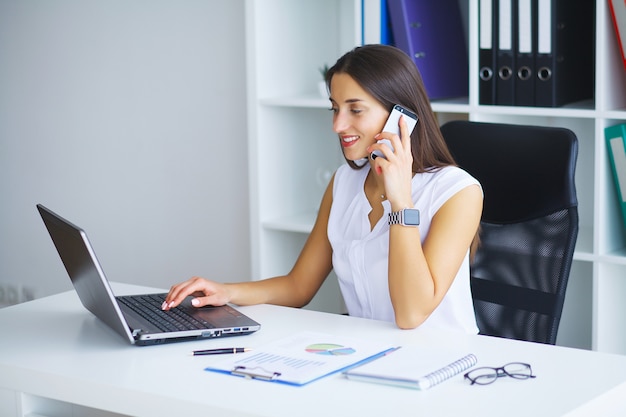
413	275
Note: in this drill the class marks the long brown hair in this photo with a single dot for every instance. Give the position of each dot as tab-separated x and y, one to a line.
389	75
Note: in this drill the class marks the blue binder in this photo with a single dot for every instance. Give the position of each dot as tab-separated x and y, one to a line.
386	36
432	34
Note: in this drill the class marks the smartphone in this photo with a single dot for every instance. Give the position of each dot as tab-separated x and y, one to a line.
391	125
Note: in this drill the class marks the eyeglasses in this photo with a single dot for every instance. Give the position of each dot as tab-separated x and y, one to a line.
487	375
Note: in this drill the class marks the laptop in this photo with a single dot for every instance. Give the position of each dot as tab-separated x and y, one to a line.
137	318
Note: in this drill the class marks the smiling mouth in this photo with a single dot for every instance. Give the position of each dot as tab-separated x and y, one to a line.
348	140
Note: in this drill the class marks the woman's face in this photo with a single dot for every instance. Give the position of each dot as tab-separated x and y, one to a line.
357	116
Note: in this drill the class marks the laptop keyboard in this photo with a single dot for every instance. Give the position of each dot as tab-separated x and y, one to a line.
149	307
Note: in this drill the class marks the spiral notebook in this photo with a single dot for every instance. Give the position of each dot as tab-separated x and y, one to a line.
413	367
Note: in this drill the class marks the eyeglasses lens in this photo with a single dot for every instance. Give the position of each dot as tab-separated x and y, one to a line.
483	376
517	370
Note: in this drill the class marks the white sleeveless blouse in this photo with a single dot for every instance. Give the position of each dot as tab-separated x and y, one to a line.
360	255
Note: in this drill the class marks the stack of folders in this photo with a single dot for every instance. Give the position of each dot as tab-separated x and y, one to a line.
616	146
432	33
536	52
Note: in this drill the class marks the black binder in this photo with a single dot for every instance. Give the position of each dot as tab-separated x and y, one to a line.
565	52
505	55
432	34
526	45
488	35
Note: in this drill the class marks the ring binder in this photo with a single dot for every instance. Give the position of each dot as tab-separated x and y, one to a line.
616	145
565	52
431	33
618	16
252	373
525	52
505	56
487	52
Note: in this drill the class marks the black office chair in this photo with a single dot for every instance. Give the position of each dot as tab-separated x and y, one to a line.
529	225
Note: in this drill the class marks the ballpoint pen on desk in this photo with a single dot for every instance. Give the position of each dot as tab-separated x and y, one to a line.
219	351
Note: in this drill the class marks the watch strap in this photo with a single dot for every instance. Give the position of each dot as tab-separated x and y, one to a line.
398	217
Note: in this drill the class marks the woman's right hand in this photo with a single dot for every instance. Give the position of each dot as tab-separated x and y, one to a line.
204	291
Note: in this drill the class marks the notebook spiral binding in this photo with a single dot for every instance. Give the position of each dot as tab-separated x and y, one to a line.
451	370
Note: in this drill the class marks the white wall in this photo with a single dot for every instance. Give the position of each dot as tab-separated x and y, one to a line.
128	118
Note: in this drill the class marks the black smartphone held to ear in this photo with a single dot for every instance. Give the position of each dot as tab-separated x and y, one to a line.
391	125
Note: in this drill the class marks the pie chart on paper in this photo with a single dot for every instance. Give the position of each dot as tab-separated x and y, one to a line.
329	349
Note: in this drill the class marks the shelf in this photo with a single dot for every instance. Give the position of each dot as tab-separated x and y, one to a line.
577	110
300	223
615	114
313	101
616	257
584	244
582	110
454	105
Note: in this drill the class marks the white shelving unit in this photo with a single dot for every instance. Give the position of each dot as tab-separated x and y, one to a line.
293	151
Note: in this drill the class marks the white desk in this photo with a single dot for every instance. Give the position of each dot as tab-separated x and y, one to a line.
54	353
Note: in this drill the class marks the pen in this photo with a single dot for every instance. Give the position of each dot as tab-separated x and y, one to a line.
219	351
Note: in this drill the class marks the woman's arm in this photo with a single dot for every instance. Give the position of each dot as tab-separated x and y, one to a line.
420	276
296	289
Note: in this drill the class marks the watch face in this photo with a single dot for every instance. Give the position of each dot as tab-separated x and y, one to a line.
412	217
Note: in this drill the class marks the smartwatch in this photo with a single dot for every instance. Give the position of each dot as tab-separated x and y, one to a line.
405	217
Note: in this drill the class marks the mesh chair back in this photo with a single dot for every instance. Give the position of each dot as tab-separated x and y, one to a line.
529	224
